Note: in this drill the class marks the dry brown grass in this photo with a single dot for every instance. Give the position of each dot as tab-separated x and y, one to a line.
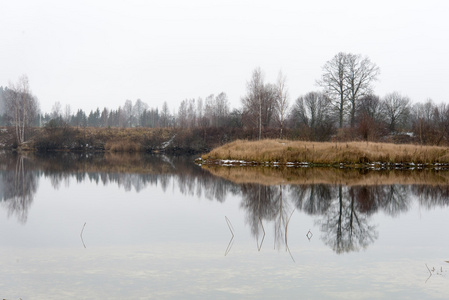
123	134
111	139
123	146
328	153
352	177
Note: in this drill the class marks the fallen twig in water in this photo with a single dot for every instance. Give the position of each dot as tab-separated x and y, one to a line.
81	235
286	243
309	235
231	241
263	237
228	249
230	226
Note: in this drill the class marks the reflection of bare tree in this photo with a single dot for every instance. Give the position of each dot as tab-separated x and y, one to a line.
394	199
282	216
257	201
346	210
266	203
19	187
343	211
312	199
345	227
431	196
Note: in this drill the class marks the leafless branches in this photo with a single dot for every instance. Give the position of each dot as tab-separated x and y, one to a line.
259	103
396	109
21	106
346	78
282	103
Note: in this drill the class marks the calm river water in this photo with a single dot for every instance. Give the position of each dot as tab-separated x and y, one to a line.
77	226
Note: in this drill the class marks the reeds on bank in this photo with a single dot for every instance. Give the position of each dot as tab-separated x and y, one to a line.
326	153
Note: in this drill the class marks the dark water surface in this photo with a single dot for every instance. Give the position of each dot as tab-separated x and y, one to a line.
77	226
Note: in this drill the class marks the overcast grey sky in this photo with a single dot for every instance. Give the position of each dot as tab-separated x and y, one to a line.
99	53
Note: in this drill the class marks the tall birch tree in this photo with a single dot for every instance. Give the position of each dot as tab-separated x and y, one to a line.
21	107
282	101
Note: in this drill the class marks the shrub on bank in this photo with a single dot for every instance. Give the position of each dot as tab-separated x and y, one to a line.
56	136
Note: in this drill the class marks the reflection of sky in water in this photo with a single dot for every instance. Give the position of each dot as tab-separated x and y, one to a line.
157	245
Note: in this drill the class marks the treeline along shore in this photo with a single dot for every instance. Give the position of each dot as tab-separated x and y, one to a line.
229	146
344	109
58	137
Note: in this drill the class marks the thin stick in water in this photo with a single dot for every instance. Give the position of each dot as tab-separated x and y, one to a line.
429	272
263	237
81	235
230	226
231	241
286	243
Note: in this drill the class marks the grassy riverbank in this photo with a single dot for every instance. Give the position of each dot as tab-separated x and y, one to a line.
283	152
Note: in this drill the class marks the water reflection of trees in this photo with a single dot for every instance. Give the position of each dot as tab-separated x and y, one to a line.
342	212
135	172
17	186
19	175
345	227
264	203
431	196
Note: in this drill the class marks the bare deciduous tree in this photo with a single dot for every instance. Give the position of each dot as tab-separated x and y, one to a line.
396	109
333	81
258	104
191	113
56	110
442	119
428	122
208	110
104	117
200	111
346	78
127	112
221	109
138	109
281	104
370	105
361	72
370	118
165	115
21	106
312	114
182	114
67	113
252	103
2	100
